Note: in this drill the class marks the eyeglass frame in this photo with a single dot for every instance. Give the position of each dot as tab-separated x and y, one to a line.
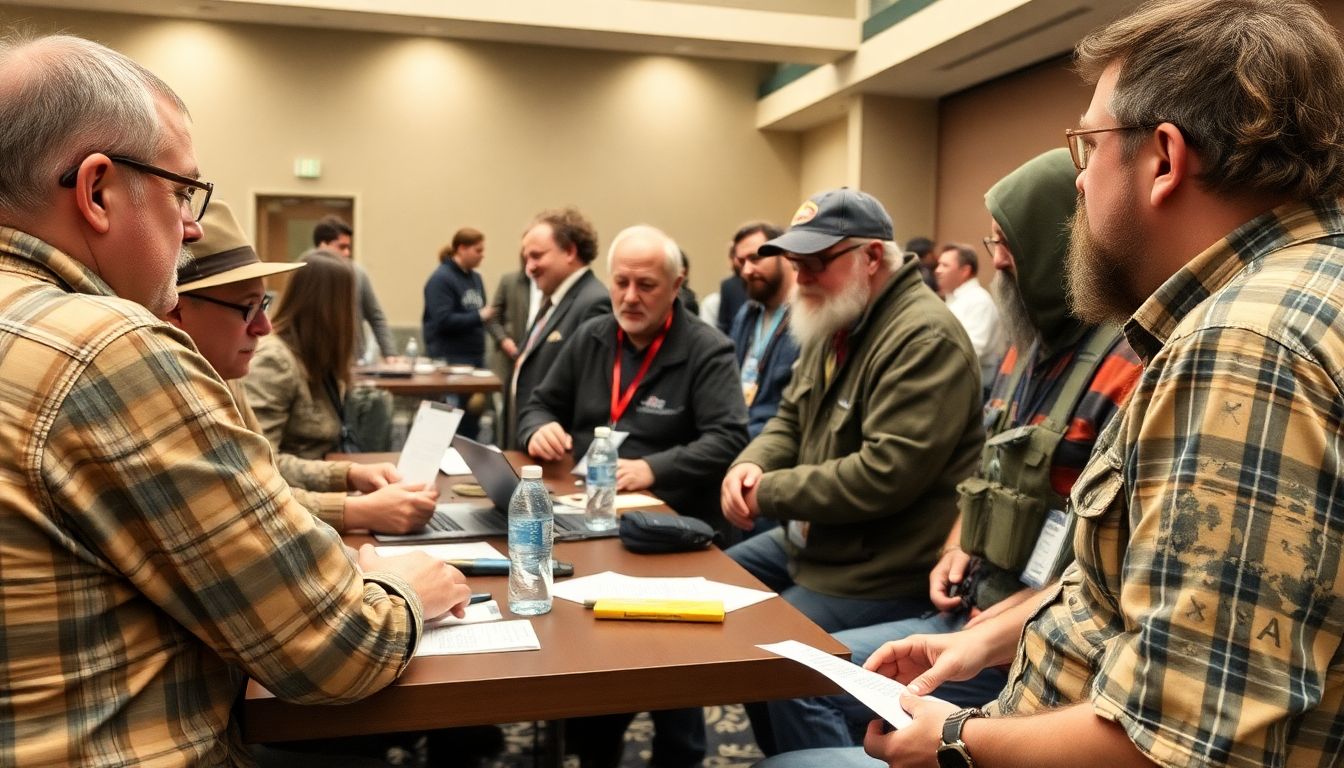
1078	152
250	311
990	241
67	179
814	264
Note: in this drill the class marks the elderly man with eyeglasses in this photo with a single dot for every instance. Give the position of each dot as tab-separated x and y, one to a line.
152	559
880	423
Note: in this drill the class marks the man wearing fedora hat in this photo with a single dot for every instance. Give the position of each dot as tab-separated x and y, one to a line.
222	307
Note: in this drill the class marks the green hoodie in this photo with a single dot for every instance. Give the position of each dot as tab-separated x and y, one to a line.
1032	206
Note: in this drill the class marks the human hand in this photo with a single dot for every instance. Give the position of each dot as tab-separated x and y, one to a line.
509	347
924	662
442	588
633	475
915	745
950	569
550	442
367	478
487	312
392	508
737	495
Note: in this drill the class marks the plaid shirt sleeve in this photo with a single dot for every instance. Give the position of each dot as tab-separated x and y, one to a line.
1227	586
149	465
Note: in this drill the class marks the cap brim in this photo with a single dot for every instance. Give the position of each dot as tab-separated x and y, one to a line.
245	272
799	241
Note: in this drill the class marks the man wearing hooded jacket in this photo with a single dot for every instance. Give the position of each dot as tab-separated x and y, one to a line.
1060	381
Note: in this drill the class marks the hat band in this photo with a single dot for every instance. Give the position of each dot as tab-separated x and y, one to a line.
216	263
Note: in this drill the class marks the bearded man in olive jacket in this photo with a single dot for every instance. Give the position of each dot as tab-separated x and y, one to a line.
879	424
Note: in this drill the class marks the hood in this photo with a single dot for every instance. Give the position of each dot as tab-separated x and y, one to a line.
1032	206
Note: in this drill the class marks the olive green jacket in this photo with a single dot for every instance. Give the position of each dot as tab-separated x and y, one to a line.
872	461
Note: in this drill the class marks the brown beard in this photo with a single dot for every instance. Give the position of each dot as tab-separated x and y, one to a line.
1099	285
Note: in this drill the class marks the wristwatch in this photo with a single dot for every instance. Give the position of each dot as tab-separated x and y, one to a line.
952	752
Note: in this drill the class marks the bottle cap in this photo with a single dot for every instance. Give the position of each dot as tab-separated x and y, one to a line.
532	472
601	431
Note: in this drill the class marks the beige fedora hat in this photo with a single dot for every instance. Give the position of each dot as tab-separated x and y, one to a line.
224	256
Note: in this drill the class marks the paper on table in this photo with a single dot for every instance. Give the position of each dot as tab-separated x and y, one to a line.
622	500
878	693
464	551
431	433
475	614
610	584
493	637
453	464
617	437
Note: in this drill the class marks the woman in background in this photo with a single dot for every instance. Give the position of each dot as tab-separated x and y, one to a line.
301	372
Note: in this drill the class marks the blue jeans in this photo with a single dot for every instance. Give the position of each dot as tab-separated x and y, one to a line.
838	757
765	558
840	720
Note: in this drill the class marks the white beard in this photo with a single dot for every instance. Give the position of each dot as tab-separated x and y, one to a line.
809	323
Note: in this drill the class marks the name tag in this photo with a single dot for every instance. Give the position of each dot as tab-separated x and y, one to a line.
797	533
1045	567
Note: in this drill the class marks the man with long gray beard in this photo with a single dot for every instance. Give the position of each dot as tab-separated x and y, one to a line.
1061	381
879	424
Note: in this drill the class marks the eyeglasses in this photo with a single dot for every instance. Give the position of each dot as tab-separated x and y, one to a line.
187	196
992	241
1080	149
250	311
817	264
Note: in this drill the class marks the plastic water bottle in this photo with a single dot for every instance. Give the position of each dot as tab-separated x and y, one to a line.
600	514
531	533
412	351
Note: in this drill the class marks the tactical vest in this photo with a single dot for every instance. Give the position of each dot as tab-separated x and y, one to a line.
1004	505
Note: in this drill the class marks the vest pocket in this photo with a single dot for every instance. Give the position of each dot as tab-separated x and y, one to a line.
998	523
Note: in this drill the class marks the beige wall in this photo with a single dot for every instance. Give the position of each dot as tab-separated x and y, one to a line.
429	135
987	131
824	162
898	162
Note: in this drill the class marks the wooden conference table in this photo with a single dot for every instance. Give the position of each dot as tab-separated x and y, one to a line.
432	384
585	666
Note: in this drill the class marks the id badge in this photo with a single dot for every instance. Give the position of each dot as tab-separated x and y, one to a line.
1053	551
797	532
749	392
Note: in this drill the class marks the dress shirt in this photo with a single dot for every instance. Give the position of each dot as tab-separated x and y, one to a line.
975	309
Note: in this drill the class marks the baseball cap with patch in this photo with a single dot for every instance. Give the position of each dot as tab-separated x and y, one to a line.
826	219
224	255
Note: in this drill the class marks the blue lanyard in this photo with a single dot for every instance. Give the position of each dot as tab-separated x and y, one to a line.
763	339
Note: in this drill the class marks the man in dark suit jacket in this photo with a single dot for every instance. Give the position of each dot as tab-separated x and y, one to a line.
557	249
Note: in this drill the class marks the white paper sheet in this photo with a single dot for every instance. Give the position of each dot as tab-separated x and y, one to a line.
453	463
431	433
610	584
878	693
475	614
494	637
464	551
621	501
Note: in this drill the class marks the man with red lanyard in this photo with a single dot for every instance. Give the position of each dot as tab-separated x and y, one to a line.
670	382
652	371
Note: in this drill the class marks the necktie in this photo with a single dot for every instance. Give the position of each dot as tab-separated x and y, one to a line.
538	324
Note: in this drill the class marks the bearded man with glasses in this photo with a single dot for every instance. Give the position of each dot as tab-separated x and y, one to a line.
877	427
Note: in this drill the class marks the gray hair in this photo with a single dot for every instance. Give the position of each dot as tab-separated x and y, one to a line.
671	253
63	98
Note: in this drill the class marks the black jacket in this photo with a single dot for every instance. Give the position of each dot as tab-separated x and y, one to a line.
586	298
686	419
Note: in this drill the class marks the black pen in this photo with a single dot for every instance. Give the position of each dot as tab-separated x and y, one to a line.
478	597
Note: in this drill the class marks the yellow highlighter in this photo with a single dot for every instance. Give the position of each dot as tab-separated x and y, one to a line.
706	611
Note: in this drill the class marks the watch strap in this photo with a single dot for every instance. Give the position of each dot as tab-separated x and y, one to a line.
956	721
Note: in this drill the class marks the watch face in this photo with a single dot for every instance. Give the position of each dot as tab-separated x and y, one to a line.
953	756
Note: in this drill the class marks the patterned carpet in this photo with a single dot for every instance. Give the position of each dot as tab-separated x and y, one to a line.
727	734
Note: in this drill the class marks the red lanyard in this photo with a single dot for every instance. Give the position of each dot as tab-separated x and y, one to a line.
619	404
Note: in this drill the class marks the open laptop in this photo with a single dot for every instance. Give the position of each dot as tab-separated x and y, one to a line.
470	520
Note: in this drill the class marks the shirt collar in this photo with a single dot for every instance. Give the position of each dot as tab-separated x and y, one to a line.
55	263
1290	224
566	284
